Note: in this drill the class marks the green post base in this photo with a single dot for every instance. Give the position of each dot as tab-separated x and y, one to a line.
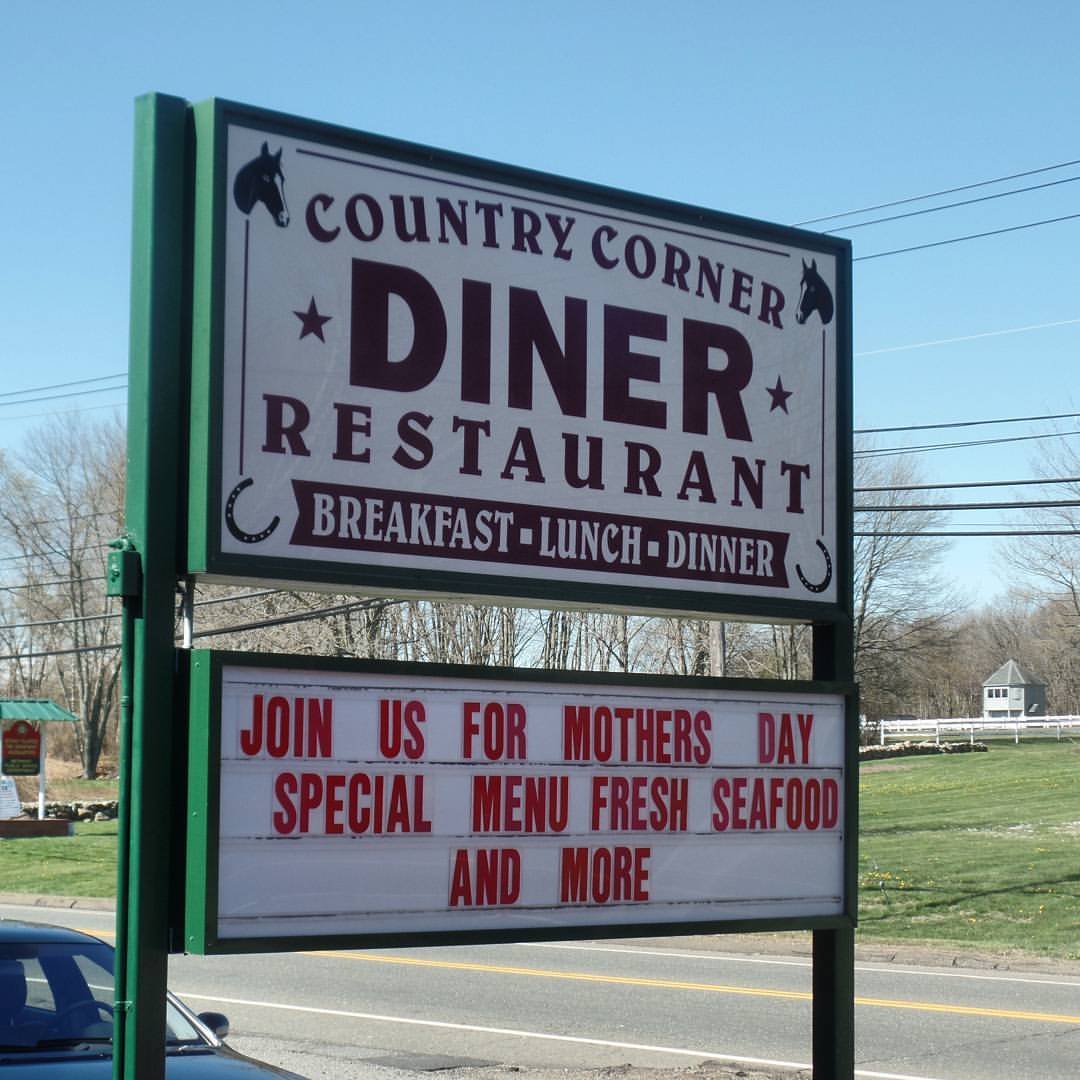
834	1004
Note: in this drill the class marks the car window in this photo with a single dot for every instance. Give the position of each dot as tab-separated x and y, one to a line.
51	992
26	1004
73	973
55	991
38	991
98	980
177	1027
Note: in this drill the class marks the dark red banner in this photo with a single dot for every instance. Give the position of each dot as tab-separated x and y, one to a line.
21	749
342	517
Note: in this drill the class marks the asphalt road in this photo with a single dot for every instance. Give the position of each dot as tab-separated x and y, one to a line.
662	1004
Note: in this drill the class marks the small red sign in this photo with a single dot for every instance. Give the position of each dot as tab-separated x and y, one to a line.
21	749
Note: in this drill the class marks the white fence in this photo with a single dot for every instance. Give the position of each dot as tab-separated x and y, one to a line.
1021	727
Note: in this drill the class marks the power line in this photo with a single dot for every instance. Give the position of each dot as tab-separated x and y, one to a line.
903	508
968	337
890	451
116	511
116	614
65	385
937	194
47	584
210	601
857	431
300	616
969	236
973	484
62	622
338	609
866	352
1026	524
61	652
967	423
50	556
929	534
953	205
59	397
66	412
47	555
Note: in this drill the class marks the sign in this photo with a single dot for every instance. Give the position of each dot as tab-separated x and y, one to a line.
423	372
332	801
20	752
10	804
415	373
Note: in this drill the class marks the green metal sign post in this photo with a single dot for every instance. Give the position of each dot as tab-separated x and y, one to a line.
226	444
144	570
834	949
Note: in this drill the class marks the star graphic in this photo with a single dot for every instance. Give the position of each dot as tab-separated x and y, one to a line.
779	395
312	322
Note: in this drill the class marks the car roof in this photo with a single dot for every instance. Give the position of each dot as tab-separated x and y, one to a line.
18	930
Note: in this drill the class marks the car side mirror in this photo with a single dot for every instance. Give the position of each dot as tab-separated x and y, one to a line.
217	1022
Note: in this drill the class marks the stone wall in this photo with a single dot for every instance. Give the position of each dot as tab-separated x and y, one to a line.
75	811
910	748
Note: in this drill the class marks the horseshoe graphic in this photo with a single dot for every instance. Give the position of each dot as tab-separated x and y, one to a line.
828	571
230	517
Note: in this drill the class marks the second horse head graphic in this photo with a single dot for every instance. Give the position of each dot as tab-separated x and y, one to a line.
814	295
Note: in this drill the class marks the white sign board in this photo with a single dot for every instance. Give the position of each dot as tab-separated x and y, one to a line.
361	803
10	806
462	374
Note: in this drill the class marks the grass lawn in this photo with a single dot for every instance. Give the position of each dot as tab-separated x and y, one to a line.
82	865
975	850
971	850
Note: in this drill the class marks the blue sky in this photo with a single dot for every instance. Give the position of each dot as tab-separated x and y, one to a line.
784	112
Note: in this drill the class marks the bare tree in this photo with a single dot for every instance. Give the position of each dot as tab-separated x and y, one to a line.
902	608
451	633
618	640
680	646
1053	562
1050	565
61	502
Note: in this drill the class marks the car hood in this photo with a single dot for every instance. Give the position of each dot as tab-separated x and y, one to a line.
222	1063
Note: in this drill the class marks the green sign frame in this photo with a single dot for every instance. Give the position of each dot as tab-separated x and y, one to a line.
204	801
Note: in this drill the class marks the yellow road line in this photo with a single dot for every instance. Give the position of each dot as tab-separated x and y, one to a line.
712	988
676	984
577	976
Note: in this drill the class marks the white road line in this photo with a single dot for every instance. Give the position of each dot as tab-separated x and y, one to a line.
546	1036
876	969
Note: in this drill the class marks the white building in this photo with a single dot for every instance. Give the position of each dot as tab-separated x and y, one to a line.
1011	693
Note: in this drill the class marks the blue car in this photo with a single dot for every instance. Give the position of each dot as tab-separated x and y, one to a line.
56	1006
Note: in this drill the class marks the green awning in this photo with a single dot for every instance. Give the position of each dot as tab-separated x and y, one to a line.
33	709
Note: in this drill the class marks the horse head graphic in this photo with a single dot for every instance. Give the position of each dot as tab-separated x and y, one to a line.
814	295
261	180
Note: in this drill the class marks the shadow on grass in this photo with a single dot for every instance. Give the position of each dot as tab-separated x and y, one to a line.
957	895
867	829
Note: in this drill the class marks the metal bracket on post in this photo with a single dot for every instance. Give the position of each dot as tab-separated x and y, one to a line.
123	576
186	589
